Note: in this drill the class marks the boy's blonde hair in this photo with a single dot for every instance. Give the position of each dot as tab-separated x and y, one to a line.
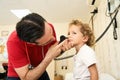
85	30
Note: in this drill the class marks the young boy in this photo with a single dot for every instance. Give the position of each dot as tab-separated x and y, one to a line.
82	38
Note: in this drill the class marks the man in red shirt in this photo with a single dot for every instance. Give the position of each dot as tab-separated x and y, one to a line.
31	47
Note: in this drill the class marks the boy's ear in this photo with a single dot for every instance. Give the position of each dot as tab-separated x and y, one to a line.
85	39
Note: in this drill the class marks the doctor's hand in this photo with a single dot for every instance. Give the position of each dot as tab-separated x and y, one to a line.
56	49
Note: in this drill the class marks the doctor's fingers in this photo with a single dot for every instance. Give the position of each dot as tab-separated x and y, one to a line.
66	47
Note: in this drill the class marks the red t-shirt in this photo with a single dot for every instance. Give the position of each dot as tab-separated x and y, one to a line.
17	56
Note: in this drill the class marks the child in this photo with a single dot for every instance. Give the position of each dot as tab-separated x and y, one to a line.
82	38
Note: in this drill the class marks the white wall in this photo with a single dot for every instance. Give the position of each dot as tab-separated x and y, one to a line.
6	28
107	48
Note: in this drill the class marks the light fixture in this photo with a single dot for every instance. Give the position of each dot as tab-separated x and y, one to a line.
20	12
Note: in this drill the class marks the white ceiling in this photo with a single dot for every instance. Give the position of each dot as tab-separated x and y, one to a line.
56	11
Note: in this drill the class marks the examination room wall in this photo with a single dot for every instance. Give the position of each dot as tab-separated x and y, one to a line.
107	48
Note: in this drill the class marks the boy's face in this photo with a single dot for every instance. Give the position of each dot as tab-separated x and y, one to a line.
47	37
75	36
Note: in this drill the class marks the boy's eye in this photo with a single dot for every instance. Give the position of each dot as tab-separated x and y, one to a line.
74	32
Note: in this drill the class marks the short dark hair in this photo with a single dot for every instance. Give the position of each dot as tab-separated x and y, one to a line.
31	27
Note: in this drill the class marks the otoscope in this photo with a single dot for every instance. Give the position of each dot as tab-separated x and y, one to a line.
62	38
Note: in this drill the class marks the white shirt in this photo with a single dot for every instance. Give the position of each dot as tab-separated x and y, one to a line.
82	60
